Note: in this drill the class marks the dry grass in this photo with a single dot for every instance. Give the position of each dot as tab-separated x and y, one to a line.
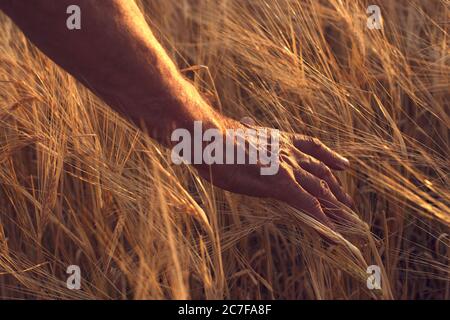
78	185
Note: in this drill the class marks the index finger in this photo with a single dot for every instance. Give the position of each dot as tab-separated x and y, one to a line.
315	148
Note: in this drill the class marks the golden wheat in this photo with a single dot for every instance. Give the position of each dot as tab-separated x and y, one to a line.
81	186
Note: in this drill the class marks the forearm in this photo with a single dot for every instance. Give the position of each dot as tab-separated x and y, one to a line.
115	55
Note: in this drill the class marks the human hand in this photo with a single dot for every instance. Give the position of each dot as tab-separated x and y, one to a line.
304	178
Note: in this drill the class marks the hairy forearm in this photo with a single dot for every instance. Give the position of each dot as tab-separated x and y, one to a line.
116	55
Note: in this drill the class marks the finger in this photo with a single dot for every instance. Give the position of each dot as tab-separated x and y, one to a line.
300	199
321	171
320	189
314	147
305	202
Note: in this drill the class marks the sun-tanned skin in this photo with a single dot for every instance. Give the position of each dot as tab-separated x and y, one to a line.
116	56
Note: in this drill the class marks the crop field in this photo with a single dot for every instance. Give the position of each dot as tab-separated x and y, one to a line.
79	185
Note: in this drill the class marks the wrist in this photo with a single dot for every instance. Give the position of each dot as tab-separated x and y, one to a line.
180	106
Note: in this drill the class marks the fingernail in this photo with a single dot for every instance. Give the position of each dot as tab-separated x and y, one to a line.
346	161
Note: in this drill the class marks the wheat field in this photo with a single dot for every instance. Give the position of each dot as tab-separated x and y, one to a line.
79	185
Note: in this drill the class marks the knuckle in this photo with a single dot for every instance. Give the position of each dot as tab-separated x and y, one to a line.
307	162
315	204
288	139
299	138
283	152
287	160
316	143
322	170
324	188
326	172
